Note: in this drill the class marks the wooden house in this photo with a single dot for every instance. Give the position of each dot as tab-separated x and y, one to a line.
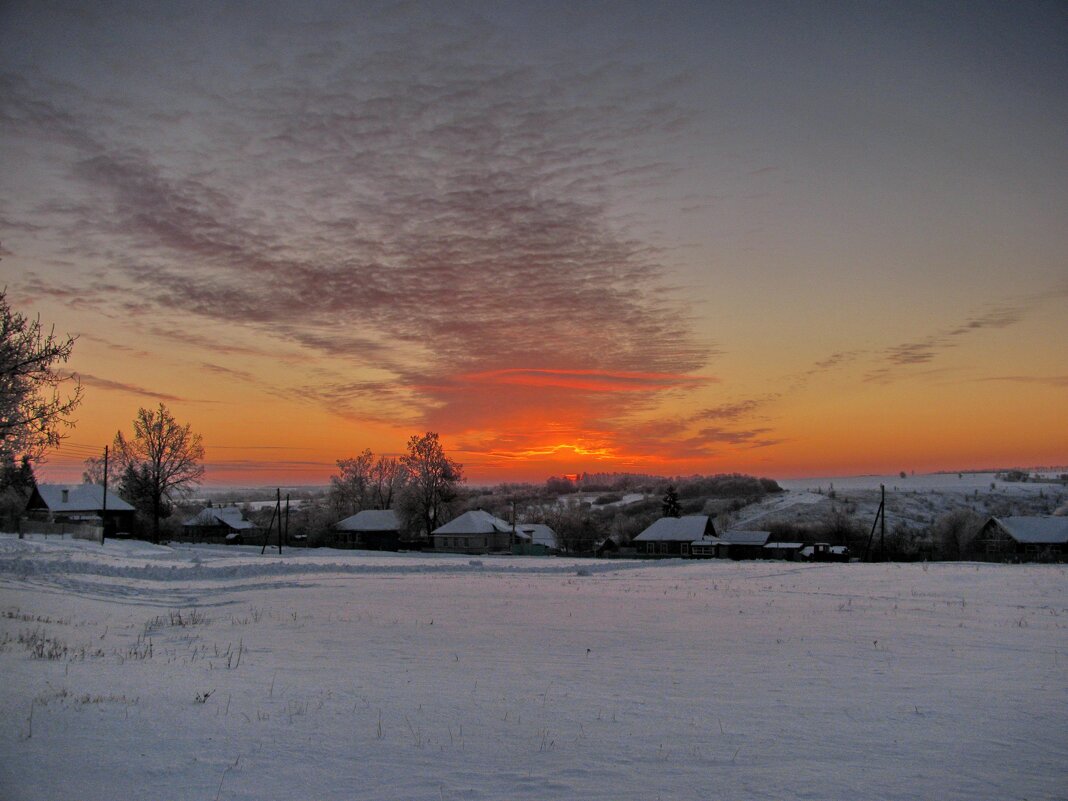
371	529
221	524
676	536
475	532
83	504
1024	539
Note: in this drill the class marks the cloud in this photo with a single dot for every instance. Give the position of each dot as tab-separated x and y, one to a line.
441	220
115	346
928	348
732	411
835	360
1049	381
587	380
229	372
132	389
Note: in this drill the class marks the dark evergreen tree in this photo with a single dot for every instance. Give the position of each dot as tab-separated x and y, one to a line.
670	503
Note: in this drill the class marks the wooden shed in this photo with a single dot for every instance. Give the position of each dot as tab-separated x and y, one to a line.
1024	538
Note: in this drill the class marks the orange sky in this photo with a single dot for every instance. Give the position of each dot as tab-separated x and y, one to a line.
809	242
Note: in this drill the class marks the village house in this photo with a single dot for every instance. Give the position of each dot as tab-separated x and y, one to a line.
678	536
80	504
475	532
370	529
220	524
1024	539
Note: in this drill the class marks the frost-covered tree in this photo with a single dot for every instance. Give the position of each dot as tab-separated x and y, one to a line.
33	410
364	482
161	462
433	481
350	489
955	531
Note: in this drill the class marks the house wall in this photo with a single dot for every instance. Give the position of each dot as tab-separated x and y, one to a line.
494	542
661	547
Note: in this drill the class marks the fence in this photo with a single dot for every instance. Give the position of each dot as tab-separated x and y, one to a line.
78	531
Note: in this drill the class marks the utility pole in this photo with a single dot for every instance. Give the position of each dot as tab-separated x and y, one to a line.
104	505
280	522
275	512
882	522
880	518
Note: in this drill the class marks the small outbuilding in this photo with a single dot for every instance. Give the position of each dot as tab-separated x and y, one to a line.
82	504
786	551
1024	538
676	536
743	544
371	529
534	539
476	531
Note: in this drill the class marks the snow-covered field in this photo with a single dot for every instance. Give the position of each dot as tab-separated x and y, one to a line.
916	501
135	671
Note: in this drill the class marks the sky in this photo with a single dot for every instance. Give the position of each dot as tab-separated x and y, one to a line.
785	239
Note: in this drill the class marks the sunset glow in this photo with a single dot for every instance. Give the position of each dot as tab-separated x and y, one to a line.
669	238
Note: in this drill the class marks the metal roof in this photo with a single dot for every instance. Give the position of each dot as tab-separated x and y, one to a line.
474	522
371	520
676	529
1035	530
80	498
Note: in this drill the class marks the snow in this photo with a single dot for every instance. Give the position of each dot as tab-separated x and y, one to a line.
350	675
926	482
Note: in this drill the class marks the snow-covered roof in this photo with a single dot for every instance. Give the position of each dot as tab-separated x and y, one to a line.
785	546
229	516
745	537
707	541
676	529
371	520
536	534
474	522
80	498
1036	530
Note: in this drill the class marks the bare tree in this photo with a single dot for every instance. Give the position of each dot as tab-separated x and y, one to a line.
350	490
33	411
160	463
955	531
433	480
576	529
388	478
94	471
